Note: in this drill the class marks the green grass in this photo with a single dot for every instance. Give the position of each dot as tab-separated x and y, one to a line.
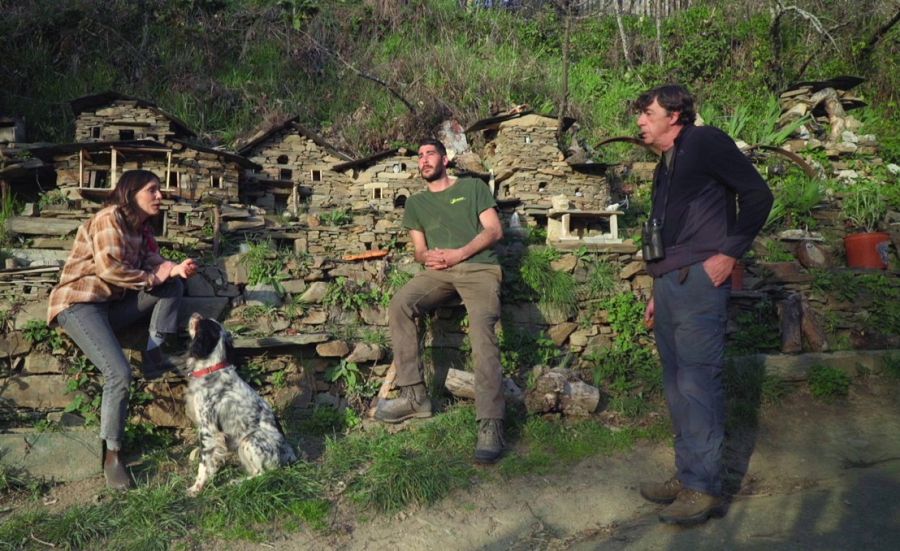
550	446
419	466
374	470
828	382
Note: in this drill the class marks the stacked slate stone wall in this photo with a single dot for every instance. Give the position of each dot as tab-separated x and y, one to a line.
143	122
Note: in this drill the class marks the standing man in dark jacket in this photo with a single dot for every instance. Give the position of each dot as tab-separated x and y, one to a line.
696	233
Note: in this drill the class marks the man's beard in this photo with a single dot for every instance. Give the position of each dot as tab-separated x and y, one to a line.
437	174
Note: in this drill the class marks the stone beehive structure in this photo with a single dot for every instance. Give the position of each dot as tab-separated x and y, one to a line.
114	117
382	181
296	169
523	153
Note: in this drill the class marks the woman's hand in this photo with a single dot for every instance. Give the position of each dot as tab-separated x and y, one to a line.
163	272
186	269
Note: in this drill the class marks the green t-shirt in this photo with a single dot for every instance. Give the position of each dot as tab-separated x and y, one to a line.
449	218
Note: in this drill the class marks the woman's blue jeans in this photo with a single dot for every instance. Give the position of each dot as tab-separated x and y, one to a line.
91	325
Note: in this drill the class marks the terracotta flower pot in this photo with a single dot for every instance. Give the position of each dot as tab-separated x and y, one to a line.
867	250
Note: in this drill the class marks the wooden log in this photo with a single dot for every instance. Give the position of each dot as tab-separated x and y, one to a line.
813	334
24	225
791	333
385	389
462	385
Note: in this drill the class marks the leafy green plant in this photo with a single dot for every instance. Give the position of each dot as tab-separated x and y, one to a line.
253	371
628	369
374	336
796	196
757	330
532	278
17	482
602	279
828	382
336	218
37	332
51	199
864	206
347	294
521	350
175	255
9	207
776	252
264	266
279	379
892	365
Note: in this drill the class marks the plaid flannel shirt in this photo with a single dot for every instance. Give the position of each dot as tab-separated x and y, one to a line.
106	261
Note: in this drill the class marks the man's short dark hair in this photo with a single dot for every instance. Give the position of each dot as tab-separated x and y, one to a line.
672	98
437	145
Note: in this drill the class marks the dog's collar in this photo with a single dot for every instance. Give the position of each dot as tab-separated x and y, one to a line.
211	369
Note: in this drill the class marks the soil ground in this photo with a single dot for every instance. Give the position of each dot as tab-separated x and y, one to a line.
810	474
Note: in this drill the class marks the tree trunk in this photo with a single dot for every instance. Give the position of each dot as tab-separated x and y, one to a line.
791	332
564	96
462	385
659	43
624	39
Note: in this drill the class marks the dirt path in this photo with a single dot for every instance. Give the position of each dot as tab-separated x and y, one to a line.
821	476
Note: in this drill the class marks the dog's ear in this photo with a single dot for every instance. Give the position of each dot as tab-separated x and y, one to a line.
230	354
206	338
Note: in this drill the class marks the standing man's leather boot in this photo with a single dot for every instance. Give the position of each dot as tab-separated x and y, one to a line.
490	441
114	470
691	507
661	492
412	402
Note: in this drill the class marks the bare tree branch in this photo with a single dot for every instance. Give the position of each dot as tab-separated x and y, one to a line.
362	73
879	34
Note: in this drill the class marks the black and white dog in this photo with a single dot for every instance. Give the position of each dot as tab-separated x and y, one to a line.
229	414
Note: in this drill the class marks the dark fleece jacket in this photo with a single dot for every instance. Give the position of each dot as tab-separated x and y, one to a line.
701	216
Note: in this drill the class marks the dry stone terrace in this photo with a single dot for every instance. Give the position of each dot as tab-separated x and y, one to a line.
291	207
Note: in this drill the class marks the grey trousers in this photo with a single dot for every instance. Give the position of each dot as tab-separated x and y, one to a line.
479	287
91	325
690	335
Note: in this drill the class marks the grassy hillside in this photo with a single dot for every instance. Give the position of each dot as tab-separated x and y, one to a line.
225	66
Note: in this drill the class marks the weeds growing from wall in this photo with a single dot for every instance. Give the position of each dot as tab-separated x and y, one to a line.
828	382
628	370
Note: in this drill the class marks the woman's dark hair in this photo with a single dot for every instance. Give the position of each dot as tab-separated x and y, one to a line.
672	98
437	145
129	184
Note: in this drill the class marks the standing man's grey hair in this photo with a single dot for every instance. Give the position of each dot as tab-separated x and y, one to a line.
672	98
437	145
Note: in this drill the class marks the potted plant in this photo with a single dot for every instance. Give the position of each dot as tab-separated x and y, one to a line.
864	208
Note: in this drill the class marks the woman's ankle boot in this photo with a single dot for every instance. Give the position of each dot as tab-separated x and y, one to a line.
114	470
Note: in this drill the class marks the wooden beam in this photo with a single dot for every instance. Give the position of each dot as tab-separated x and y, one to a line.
112	166
81	168
168	167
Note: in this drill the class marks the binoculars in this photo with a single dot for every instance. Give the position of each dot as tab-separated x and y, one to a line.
651	240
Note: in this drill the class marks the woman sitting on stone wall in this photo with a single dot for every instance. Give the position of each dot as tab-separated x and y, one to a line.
113	277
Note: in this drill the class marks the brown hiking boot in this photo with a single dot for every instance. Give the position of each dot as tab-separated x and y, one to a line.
490	441
114	471
412	402
661	492
691	507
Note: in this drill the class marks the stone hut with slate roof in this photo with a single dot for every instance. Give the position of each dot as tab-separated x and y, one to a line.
296	169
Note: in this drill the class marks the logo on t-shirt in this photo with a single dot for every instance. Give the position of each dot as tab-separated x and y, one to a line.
457	200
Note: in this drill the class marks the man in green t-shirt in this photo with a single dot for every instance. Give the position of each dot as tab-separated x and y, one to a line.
453	225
